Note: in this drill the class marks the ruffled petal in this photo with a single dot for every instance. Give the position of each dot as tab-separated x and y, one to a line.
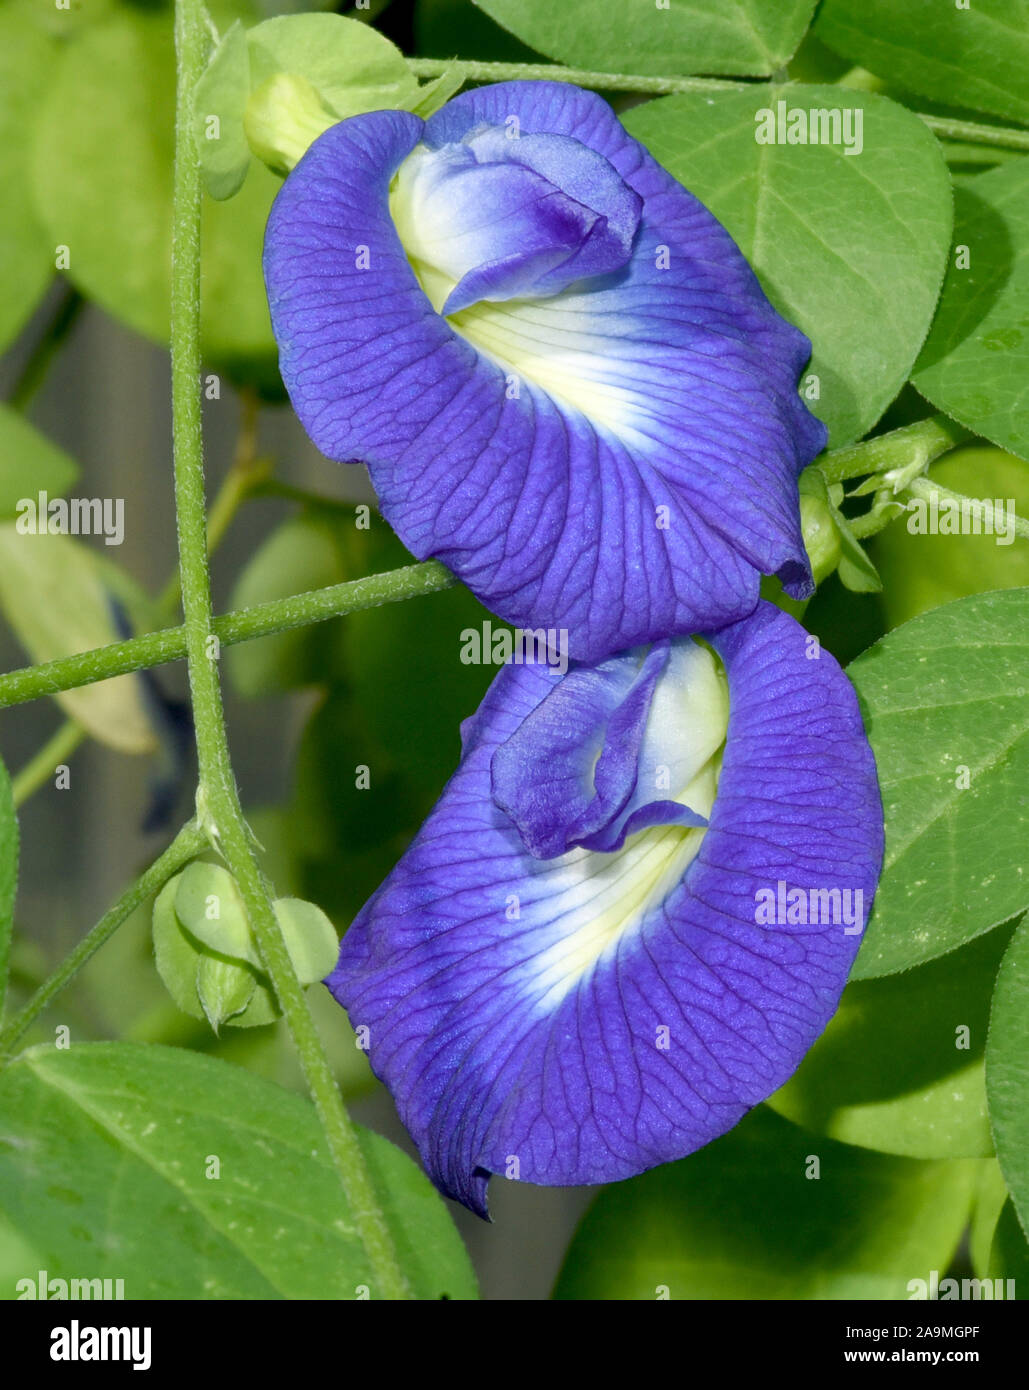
618	459
585	768
581	1019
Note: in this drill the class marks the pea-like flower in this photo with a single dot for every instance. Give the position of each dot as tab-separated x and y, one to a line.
630	914
561	372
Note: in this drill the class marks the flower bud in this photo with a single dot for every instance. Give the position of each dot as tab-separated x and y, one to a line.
283	117
821	538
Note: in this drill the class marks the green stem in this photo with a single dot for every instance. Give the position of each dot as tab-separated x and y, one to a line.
582	77
921	442
973	131
245	475
912	445
41	765
976	133
218	805
264	619
926	489
884	510
188	842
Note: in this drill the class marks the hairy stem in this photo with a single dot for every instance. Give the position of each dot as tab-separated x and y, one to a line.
582	77
974	132
925	489
218	806
911	446
916	444
246	474
188	842
264	619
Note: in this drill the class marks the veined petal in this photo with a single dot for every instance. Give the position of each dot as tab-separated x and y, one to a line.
617	458
499	218
613	748
581	1019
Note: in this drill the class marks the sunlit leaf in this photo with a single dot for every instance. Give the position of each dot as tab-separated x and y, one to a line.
975	362
53	596
769	1212
943	698
840	244
191	1179
750	37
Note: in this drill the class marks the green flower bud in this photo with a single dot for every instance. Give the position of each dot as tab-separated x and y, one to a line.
204	982
283	117
223	988
821	537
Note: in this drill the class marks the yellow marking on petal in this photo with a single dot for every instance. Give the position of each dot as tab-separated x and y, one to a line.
541	344
602	897
551	343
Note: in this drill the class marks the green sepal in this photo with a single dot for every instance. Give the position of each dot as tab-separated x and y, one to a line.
310	938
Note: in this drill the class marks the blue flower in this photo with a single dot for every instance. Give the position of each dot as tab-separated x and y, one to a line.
630	914
560	370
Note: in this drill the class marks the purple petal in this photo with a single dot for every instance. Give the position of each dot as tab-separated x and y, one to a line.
582	1019
618	459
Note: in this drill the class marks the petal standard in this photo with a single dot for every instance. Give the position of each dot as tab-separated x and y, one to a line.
583	1018
617	458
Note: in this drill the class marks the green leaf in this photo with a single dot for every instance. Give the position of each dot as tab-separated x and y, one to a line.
310	938
351	66
1007	1071
943	699
741	1219
850	248
336	67
1009	1255
8	875
222	94
118	77
991	1194
974	56
29	464
106	1170
976	359
445	28
922	571
26	258
900	1067
749	37
53	595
